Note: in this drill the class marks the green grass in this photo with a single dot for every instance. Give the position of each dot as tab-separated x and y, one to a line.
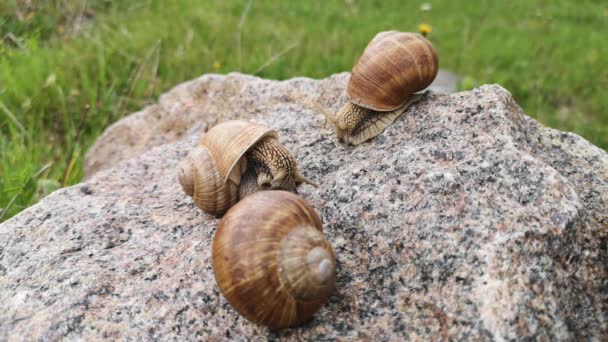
69	68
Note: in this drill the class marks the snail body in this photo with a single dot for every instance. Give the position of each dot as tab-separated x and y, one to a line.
212	174
393	66
249	183
275	166
271	261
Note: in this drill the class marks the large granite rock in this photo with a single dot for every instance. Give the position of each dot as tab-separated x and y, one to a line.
466	219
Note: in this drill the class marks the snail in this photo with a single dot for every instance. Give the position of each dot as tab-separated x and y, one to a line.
393	67
234	159
271	261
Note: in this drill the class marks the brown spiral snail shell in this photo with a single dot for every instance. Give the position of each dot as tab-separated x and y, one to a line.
234	159
393	66
271	261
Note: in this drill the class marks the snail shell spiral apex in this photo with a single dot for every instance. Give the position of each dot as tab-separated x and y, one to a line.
271	261
307	264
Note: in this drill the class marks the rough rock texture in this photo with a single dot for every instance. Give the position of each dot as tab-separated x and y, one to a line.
192	104
465	219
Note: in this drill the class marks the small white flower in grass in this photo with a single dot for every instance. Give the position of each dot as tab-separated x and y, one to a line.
425	7
26	104
50	81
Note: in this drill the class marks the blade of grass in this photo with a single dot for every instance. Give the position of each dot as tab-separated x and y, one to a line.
239	53
10	36
70	166
154	76
75	151
135	75
26	183
274	58
9	205
12	117
140	70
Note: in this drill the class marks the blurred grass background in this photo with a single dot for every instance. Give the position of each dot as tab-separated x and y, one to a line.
69	68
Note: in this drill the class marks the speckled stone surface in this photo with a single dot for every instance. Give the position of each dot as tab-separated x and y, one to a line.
465	219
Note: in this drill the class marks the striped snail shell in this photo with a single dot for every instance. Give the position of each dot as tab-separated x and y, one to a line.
393	67
271	261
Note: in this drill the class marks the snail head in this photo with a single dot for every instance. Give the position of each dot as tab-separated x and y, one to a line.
288	181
